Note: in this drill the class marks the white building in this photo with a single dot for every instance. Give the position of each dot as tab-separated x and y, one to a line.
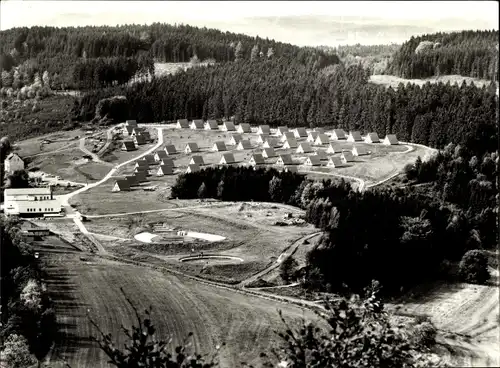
30	201
12	163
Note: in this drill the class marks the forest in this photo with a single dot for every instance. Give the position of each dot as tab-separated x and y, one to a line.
28	317
467	53
66	52
280	92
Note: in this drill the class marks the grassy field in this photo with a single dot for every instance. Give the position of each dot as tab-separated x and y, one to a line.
393	81
179	305
54	142
101	201
248	228
70	165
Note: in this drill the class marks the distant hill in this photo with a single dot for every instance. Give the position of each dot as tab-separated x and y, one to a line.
96	57
467	53
163	42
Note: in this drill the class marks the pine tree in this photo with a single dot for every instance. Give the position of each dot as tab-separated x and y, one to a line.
238	52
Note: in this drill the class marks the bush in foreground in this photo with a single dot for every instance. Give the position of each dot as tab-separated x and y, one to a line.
358	334
473	267
144	350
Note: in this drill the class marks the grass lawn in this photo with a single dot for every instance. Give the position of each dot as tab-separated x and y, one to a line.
101	201
55	141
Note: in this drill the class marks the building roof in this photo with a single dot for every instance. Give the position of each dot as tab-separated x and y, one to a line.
166	169
314	160
289	135
129	129
322	138
122	184
356	135
12	155
335	161
197	159
167	161
183	123
391	138
258	159
373	137
161	154
245	144
129	145
148	158
302	132
170	148
265	129
229	125
212	124
131	122
219	146
192	146
140	139
319	130
271	142
228	158
198	124
141	176
289	168
322	155
287	159
291	142
306	147
142	163
193	168
269	152
313	135
339	133
348	155
236	137
245	127
263	137
283	129
28	191
131	179
361	150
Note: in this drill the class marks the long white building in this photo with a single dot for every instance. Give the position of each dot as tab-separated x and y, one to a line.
30	202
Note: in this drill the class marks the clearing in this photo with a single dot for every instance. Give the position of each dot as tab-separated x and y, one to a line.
248	229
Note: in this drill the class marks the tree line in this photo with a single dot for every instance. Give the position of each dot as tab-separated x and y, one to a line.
28	317
467	53
74	57
163	42
280	92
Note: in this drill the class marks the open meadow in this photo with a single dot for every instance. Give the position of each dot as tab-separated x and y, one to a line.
249	229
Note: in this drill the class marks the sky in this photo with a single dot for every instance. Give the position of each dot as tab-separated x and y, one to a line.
229	15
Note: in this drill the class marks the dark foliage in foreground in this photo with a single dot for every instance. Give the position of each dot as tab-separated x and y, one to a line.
143	349
26	307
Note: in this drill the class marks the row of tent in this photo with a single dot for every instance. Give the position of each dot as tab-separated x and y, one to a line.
337	134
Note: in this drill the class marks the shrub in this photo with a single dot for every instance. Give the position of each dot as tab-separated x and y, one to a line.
473	267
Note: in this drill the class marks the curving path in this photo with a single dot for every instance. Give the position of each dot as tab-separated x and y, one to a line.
286	253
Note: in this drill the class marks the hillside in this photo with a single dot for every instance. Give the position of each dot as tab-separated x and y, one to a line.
467	53
74	56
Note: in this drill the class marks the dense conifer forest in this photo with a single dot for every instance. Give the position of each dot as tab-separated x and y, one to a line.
74	57
280	92
466	53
